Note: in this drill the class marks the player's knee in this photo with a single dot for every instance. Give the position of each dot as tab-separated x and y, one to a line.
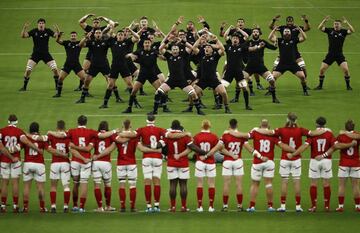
52	65
66	188
122	180
301	64
85	180
29	68
243	84
160	92
225	83
270	78
268	186
132	183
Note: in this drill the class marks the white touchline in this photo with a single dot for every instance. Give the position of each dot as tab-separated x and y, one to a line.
315	7
246	159
55	8
172	115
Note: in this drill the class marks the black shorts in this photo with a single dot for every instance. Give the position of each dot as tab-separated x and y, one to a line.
121	69
157	70
212	83
297	54
331	58
230	74
146	76
176	82
189	76
260	69
94	70
282	68
45	57
88	56
132	67
72	66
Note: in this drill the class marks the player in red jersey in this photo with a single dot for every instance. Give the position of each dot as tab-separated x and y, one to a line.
233	165
126	143
152	162
320	163
11	137
177	146
205	165
349	166
81	144
34	166
292	135
60	167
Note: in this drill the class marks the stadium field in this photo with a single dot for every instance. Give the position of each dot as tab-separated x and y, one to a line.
37	104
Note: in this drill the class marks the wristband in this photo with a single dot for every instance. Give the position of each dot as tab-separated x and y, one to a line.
274	20
325	155
306	21
221	28
114	131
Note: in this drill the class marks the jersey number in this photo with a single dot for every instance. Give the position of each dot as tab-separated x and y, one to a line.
61	147
82	142
125	146
10	141
234	147
321	145
205	146
264	146
292	143
33	152
153	142
350	151
101	146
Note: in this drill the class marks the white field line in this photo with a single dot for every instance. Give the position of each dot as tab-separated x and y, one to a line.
55	8
176	115
316	7
245	159
269	52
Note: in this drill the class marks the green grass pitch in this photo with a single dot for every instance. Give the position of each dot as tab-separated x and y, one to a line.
336	104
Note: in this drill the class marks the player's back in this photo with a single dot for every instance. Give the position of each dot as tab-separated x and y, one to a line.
321	143
150	136
33	156
60	144
10	136
349	157
264	144
233	145
206	141
100	145
82	136
126	151
177	146
293	137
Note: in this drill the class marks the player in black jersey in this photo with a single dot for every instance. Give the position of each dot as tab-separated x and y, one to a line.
290	24
255	63
336	38
120	46
209	59
40	36
96	24
235	53
287	53
177	59
147	58
99	63
73	49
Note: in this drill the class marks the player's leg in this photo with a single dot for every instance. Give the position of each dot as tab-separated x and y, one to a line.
272	89
199	192
15	191
184	192
41	194
83	194
356	192
172	194
327	194
65	177
258	84
345	69
52	65
239	191
109	89
301	76
121	175
132	98
148	175
313	194
269	193
211	192
160	94
341	193
301	63
256	174
26	193
194	98
157	170
97	177
63	75
85	90
226	191
222	91
29	67
106	171
53	189
132	177
198	93
243	86
75	174
323	67
4	191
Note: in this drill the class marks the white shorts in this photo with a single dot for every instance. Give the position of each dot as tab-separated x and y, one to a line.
233	168
10	170
152	168
345	172
82	170
182	173
320	169
101	170
265	169
60	171
204	169
126	172
289	167
34	171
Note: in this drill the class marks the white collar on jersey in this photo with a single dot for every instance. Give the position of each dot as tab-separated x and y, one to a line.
12	123
205	131
150	123
82	126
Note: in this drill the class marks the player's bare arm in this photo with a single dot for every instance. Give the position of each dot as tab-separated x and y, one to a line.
285	147
135	37
350	27
6	152
57	134
254	152
82	21
24	31
301	149
302	35
321	26
273	21
106	152
56	152
272	36
145	149
306	23
87	148
76	154
27	142
222	27
237	134
243	33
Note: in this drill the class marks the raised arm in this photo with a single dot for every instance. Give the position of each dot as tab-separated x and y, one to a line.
221	47
273	21
222	27
302	35
350	28
24	31
58	39
243	33
321	26
82	21
135	37
272	35
107	20
306	23
226	33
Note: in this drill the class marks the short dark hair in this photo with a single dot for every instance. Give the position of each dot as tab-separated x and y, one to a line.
82	120
34	127
349	125
12	117
175	124
241	19
41	20
121	30
127	124
182	30
233	123
103	126
151	117
73	32
259	29
190	21
236	35
96	19
337	20
143	17
289	18
60	125
321	121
